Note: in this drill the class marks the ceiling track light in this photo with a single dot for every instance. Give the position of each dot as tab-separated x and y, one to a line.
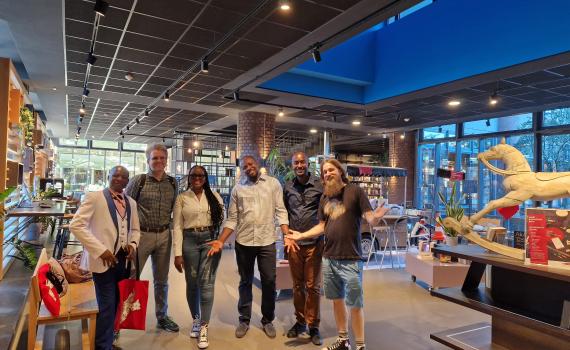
439	129
167	96
146	112
316	53
488	122
284	5
121	133
204	65
80	119
236	95
163	140
101	7
78	129
137	120
85	92
91	58
129	76
128	127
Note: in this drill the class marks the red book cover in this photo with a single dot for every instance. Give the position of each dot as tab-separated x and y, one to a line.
548	237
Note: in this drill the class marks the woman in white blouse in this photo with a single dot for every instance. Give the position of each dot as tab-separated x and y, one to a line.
198	216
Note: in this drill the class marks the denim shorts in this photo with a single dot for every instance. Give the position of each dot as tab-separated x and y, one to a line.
342	279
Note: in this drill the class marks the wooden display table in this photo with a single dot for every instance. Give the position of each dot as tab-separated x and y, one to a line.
433	272
526	303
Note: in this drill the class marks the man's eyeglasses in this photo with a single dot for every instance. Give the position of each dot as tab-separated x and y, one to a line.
197	176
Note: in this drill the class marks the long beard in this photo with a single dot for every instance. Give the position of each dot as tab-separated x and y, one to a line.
333	187
334	209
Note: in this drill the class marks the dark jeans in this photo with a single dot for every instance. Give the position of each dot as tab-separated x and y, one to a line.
305	266
266	262
107	292
200	272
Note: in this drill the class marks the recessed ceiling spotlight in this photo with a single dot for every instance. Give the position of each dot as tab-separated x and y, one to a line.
204	65
227	148
403	136
384	136
196	144
101	7
454	103
129	76
356	122
167	96
313	131
493	99
189	150
54	88
406	119
284	5
369	134
92	136
280	112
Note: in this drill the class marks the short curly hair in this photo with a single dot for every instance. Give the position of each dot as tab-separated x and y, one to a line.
155	147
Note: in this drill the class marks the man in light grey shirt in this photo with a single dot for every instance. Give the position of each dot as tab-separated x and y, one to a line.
256	202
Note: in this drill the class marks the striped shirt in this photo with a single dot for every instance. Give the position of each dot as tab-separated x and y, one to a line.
155	202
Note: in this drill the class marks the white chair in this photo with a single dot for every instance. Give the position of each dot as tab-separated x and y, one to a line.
383	227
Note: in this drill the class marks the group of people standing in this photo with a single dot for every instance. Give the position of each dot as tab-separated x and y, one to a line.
131	219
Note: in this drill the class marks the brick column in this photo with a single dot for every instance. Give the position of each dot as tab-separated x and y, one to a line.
402	154
255	134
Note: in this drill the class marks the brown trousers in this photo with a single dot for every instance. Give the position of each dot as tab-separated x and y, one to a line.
305	266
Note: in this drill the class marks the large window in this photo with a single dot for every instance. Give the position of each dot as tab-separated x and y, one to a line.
439	132
556	117
556	158
495	125
481	185
86	169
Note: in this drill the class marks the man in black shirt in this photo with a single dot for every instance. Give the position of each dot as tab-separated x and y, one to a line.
302	197
341	207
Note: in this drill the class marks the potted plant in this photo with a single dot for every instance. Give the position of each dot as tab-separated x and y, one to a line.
452	210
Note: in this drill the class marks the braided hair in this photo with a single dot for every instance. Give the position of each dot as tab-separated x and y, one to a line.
216	209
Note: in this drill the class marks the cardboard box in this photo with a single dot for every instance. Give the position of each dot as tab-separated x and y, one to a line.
548	237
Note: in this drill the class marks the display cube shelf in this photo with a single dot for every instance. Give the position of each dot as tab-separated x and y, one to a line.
436	274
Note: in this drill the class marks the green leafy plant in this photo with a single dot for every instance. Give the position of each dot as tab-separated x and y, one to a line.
47	194
26	252
3	195
452	210
277	167
27	125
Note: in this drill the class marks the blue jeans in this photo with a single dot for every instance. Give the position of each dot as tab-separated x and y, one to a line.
107	293
200	272
342	279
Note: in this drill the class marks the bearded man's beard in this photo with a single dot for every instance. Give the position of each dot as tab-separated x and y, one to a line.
333	187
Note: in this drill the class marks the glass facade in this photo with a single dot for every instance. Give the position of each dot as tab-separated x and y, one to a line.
86	168
459	153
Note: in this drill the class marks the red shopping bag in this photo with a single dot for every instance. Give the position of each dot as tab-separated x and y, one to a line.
133	298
